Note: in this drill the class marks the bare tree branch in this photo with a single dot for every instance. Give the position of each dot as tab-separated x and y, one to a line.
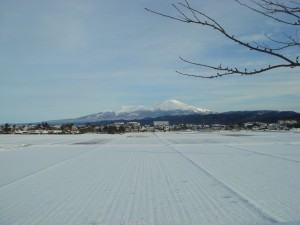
269	8
276	10
231	71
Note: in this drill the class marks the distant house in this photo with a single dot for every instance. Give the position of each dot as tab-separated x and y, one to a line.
248	125
273	126
160	123
119	124
218	127
132	126
287	122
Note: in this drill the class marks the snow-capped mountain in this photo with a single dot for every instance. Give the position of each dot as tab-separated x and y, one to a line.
168	105
167	108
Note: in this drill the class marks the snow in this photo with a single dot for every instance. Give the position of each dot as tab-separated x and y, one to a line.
168	105
133	112
216	178
173	104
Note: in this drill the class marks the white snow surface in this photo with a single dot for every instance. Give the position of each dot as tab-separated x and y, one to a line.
221	178
168	105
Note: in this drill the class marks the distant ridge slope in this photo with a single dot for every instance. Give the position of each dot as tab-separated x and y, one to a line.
170	107
177	112
226	118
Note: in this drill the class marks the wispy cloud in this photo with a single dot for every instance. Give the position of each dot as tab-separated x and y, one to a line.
69	58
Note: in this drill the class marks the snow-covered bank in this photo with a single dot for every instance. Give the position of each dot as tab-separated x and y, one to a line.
151	178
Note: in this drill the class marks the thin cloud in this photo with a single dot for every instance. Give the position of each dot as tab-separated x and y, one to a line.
80	57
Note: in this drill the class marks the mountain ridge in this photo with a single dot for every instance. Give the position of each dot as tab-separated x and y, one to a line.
225	118
170	107
177	112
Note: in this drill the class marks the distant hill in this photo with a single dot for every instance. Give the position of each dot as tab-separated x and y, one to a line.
136	112
177	112
236	117
226	118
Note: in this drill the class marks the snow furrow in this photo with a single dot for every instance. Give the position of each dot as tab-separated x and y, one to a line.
241	198
272	191
146	179
264	154
40	170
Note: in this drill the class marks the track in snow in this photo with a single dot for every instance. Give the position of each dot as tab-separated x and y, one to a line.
166	178
232	193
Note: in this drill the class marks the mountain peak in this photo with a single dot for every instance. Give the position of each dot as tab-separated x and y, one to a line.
173	104
168	105
173	101
167	108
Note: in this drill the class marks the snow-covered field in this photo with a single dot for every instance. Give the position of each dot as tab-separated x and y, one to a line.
217	178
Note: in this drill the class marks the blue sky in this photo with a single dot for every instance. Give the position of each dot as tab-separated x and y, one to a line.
69	58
